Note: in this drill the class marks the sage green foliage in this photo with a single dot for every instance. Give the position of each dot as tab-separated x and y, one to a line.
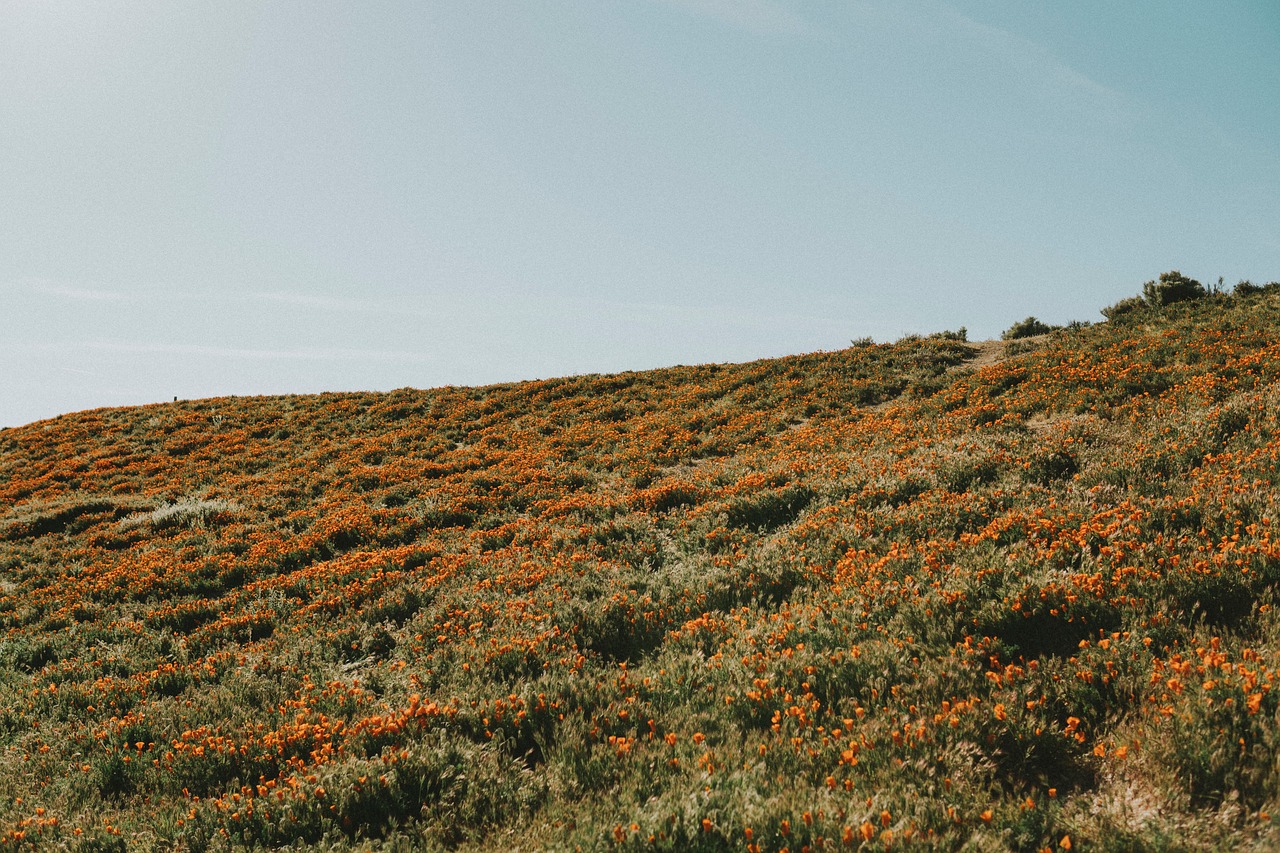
1172	287
1129	308
1244	287
1027	328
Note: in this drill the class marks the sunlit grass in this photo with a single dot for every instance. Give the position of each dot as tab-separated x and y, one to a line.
873	598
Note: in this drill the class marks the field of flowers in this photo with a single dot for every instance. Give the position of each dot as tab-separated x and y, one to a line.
868	599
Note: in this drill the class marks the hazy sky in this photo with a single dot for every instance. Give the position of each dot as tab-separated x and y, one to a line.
202	199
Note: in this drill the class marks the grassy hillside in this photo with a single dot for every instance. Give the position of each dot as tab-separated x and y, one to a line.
874	598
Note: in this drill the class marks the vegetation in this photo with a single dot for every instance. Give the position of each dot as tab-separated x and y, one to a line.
1245	287
868	599
1129	308
1027	328
1172	287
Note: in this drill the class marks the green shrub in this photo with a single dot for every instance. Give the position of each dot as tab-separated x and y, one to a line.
188	513
1170	288
1027	328
1046	467
1124	309
769	510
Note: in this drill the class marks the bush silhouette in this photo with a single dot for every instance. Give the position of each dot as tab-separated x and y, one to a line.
1171	287
1027	328
1125	308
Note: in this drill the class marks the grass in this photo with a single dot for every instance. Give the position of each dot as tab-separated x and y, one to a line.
866	599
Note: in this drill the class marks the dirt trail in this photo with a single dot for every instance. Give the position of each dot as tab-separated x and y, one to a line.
989	352
994	352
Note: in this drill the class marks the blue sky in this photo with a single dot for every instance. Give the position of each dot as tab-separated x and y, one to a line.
275	197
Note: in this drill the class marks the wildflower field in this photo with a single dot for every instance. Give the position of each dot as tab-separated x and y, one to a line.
870	599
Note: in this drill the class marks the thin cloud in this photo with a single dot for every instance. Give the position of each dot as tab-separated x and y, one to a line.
67	291
1033	58
295	298
301	354
170	294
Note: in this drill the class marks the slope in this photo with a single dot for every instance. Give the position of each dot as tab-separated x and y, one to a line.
865	598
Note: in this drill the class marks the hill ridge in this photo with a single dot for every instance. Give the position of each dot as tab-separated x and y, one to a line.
929	592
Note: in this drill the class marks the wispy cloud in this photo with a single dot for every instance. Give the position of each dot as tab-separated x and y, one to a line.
1036	60
73	292
158	294
245	353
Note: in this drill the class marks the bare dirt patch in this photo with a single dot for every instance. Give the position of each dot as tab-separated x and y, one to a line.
988	352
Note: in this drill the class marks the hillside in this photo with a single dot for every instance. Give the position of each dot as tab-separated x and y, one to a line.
874	598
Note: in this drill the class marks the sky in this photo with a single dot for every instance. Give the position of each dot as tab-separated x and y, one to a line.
241	198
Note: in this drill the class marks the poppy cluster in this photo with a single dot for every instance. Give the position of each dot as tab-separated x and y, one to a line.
872	598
